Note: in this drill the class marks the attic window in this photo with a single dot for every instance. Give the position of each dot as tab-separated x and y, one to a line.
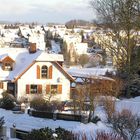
7	63
44	72
7	67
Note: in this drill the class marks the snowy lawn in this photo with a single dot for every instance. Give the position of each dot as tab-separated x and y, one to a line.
26	122
132	104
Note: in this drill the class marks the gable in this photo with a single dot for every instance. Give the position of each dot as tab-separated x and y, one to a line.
32	71
21	60
64	72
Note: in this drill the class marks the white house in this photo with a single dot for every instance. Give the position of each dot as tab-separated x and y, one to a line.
81	48
29	73
36	35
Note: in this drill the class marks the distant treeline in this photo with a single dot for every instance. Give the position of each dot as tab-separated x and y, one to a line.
77	23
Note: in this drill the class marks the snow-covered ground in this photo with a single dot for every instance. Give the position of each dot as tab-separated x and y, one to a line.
55	47
132	104
26	122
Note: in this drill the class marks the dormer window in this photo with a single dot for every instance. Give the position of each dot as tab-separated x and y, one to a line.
8	66
7	63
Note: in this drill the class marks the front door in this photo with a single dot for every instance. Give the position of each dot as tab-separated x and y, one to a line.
11	88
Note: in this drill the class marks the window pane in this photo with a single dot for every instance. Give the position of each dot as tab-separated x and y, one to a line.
54	89
7	66
33	88
44	71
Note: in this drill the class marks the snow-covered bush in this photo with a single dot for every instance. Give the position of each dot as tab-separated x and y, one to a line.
8	101
63	134
49	134
22	100
57	105
41	104
41	134
38	103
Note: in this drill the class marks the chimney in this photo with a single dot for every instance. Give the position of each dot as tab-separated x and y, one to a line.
32	48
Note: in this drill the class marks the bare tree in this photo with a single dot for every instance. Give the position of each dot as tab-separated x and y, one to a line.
122	18
92	89
126	124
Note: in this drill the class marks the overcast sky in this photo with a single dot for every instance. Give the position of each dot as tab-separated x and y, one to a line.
45	10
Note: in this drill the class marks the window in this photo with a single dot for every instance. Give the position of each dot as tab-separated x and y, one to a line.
33	89
7	63
44	72
10	86
7	66
53	89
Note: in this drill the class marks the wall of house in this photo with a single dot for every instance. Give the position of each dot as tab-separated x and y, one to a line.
81	48
30	77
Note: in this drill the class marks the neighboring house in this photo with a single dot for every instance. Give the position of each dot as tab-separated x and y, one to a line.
81	48
36	35
75	47
29	73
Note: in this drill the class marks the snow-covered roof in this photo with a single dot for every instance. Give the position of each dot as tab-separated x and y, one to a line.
95	73
89	71
2	57
23	59
50	57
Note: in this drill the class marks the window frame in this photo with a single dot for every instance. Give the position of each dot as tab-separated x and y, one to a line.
54	89
44	72
7	66
33	90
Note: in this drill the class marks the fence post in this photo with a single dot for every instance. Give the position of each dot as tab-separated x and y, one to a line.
13	131
55	116
3	133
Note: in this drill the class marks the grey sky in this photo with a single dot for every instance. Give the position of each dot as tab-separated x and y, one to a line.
45	10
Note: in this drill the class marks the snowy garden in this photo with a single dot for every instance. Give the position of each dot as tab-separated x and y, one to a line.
25	122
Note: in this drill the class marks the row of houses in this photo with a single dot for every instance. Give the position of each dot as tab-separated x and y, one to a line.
30	71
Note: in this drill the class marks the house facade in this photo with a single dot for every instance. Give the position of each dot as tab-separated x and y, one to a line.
31	74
